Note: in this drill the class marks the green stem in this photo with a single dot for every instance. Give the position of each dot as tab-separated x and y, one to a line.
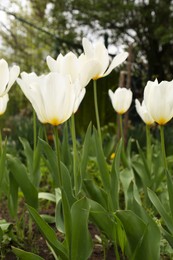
96	109
75	170
56	141
0	141
148	145
121	127
163	146
34	129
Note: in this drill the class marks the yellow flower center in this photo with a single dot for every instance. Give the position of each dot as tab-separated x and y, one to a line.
54	121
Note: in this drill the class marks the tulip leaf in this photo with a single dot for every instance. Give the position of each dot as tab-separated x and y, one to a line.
51	161
103	219
2	162
159	207
102	165
48	234
23	255
142	236
81	242
114	191
20	175
85	151
47	196
1	234
170	191
96	193
13	195
66	149
28	154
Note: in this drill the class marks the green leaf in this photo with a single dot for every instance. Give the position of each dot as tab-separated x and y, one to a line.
48	234
20	175
23	255
96	193
126	177
13	195
101	161
51	161
103	219
28	153
85	151
142	236
67	219
66	149
1	234
159	207
81	243
114	190
2	162
47	196
170	191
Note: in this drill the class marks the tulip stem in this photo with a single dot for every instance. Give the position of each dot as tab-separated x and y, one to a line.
0	141
163	146
121	127
96	109
148	145
34	130
75	170
56	141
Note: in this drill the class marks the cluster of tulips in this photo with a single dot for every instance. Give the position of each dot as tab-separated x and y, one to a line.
57	95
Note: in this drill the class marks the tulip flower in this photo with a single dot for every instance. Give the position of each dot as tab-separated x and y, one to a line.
8	77
121	99
98	54
73	66
3	103
144	113
158	98
52	96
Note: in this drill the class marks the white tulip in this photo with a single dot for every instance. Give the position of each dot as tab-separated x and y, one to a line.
7	76
72	66
3	103
52	96
121	99
143	112
158	98
98	55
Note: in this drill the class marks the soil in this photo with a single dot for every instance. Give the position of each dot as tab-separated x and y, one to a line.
38	245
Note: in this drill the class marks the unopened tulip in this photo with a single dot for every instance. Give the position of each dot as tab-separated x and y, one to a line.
52	96
121	99
144	113
7	77
99	56
158	98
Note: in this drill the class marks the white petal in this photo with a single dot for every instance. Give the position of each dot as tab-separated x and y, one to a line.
88	48
101	55
79	99
4	76
69	66
120	58
89	70
14	73
3	103
59	98
52	64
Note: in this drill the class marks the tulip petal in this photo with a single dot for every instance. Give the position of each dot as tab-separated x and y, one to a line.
88	48
52	64
3	103
4	74
101	55
120	58
79	99
13	75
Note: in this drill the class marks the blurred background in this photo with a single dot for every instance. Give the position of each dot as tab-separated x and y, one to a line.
32	29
